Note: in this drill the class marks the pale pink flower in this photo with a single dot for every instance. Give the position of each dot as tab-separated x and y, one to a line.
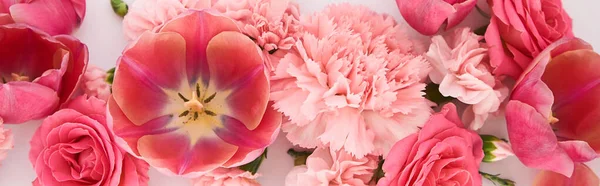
335	168
6	140
94	83
461	68
226	176
272	24
349	88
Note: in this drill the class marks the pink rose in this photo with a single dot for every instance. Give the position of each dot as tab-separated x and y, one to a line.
94	83
6	140
427	16
75	147
442	153
336	168
461	68
553	113
52	16
520	30
38	72
226	176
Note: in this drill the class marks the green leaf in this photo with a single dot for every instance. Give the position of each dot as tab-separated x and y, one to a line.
110	76
119	7
254	165
497	180
432	93
481	30
378	174
299	156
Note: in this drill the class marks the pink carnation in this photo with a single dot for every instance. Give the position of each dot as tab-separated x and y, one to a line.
329	167
272	24
460	66
94	83
6	140
348	87
226	176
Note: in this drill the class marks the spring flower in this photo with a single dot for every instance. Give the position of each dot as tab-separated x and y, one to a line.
226	176
582	176
52	16
6	141
75	147
350	84
336	168
553	111
460	67
521	30
442	153
38	72
272	24
193	96
94	83
427	16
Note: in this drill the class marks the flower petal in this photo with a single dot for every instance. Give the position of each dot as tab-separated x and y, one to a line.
579	151
236	133
582	176
425	16
23	101
236	65
197	38
78	61
53	16
524	123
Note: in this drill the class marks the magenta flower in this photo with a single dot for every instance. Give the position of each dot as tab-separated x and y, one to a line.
553	111
193	96
38	72
52	16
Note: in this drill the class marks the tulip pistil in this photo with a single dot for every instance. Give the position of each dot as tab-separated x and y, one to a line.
196	105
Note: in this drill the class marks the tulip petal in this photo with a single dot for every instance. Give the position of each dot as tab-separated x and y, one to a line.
161	56
75	68
242	73
132	82
236	133
579	151
425	16
543	152
197	38
53	16
23	101
582	176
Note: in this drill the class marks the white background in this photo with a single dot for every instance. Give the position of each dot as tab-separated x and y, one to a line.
101	31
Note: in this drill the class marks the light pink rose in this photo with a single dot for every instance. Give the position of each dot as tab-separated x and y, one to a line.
442	153
352	82
427	16
94	83
460	67
38	72
225	177
6	140
553	113
75	147
52	16
519	31
336	168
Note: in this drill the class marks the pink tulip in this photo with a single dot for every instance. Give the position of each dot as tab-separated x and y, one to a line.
553	112
193	96
582	176
427	16
38	72
52	16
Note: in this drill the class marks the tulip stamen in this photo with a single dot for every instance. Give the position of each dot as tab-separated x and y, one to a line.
210	98
182	97
197	90
210	113
185	113
3	80
195	116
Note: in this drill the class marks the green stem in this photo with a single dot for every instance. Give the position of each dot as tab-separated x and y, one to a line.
119	7
299	156
497	180
378	174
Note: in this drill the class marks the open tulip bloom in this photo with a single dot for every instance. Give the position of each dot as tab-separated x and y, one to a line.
193	96
553	113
